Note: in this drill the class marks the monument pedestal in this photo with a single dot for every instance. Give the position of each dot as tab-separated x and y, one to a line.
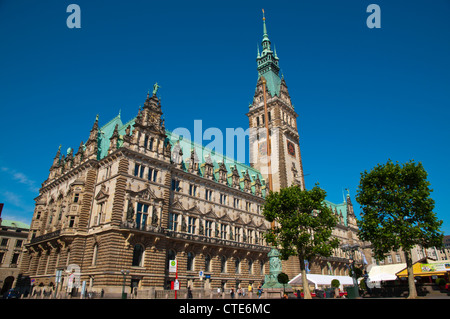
271	280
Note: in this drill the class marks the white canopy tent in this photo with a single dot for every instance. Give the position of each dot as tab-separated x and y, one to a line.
377	274
322	280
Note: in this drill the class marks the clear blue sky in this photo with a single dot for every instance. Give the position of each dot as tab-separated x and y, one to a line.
363	95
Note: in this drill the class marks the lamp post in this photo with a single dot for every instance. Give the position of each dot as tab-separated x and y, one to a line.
124	273
351	249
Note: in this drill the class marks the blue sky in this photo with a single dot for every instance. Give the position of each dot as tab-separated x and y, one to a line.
363	95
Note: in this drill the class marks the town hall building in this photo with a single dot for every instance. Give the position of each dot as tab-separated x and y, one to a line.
135	195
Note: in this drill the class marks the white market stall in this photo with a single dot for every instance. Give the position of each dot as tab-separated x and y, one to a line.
321	280
377	274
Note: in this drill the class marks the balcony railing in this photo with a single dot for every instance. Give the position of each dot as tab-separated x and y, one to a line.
45	237
216	241
145	228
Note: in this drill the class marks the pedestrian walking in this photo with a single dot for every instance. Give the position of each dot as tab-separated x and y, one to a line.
260	291
336	293
366	281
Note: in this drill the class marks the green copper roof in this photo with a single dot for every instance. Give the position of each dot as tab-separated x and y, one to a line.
340	209
14	224
273	82
106	131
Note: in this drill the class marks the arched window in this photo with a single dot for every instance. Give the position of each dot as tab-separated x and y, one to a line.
94	255
223	264
250	266
207	263
237	264
190	261
138	252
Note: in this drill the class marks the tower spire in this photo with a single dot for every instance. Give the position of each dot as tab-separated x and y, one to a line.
265	41
267	63
264	26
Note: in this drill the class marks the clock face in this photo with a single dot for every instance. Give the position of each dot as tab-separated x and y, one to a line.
291	148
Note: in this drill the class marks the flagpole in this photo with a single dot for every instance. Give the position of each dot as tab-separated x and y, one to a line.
269	155
176	278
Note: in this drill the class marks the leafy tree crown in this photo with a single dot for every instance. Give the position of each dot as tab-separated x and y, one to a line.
302	222
397	210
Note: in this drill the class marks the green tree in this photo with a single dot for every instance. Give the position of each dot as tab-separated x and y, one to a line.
335	283
397	211
302	225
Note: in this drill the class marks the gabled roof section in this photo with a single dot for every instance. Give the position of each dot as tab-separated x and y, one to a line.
145	194
225	218
195	210
273	83
251	223
239	221
107	130
339	209
210	214
177	206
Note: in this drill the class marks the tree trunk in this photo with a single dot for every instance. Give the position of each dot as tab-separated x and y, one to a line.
411	284
306	292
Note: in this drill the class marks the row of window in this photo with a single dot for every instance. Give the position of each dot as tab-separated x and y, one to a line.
75	200
260	119
14	259
389	260
70	224
287	119
207	265
60	212
263	118
5	241
44	262
138	259
140	170
220	230
223	198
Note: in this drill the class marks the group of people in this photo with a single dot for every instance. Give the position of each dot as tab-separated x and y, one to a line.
241	292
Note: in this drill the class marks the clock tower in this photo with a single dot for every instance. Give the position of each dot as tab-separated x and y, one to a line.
272	113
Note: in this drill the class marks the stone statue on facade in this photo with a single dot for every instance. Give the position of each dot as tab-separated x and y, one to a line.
155	218
155	88
130	212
